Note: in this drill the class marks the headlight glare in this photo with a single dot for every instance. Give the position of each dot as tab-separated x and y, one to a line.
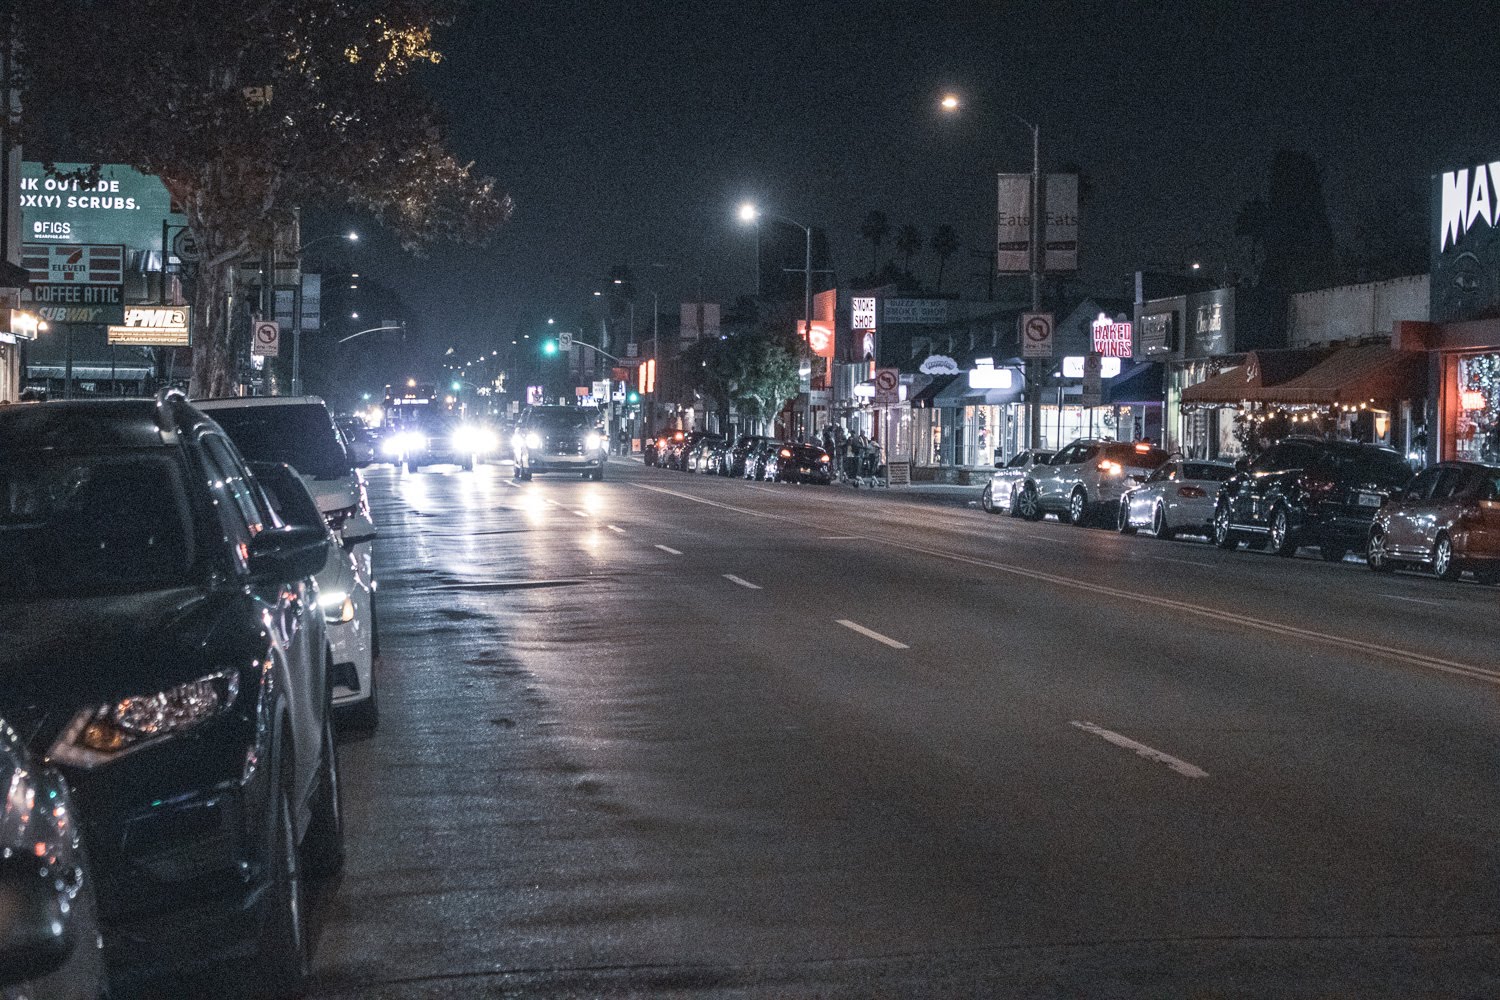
592	441
533	440
338	607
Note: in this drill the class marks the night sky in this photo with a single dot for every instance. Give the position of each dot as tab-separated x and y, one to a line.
627	133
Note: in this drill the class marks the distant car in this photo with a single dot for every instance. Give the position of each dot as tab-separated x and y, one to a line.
1086	478
1446	521
165	651
1308	491
1180	496
560	439
716	460
49	922
298	432
744	446
685	456
1005	483
657	446
758	456
703	455
799	463
441	440
358	439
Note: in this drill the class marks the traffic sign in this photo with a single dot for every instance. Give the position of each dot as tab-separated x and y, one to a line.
1093	367
1036	335
265	341
185	246
564	341
887	386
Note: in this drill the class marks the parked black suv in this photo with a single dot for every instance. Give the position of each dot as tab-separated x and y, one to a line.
166	651
1306	491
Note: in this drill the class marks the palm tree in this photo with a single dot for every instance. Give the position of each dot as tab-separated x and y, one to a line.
909	242
875	228
945	245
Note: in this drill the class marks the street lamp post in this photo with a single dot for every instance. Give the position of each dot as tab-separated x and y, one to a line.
352	237
748	214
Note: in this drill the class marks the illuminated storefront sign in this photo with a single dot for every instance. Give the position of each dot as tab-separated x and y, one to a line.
1111	339
153	326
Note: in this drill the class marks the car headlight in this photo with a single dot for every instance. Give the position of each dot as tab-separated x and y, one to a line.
592	441
100	734
391	445
533	440
338	607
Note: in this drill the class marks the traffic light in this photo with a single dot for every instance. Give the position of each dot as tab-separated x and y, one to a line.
457	386
549	347
633	397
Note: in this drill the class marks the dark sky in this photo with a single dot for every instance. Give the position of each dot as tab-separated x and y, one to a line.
627	133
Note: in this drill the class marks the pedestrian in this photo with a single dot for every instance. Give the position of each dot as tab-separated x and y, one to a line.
623	436
828	439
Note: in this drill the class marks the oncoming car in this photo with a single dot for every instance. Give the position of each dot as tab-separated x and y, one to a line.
560	439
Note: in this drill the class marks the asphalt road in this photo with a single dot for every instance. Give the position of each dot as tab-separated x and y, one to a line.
677	735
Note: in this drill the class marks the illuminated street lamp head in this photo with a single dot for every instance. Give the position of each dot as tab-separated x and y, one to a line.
950	102
598	293
354	315
1196	265
457	386
353	237
619	281
748	212
550	321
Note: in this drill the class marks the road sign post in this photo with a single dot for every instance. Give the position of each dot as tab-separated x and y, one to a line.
1036	349
265	339
887	386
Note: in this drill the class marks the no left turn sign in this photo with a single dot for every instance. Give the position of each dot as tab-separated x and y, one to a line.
265	341
1036	335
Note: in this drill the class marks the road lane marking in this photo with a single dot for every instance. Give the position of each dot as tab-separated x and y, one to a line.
1414	600
1185	562
839	538
580	513
1218	615
1182	767
742	582
615	528
669	550
871	633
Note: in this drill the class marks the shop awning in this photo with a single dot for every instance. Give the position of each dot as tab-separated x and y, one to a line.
1141	385
1248	381
1356	374
958	393
924	396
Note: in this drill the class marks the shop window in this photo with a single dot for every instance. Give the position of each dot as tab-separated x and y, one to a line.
1477	434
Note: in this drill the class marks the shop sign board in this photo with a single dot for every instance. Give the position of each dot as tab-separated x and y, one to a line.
1076	366
1466	244
862	313
153	326
1156	334
1036	335
1111	339
916	312
122	206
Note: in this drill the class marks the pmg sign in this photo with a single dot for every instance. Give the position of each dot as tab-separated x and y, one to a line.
1466	242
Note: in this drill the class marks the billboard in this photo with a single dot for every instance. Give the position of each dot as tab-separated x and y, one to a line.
75	283
915	312
1465	243
153	326
122	206
1013	224
821	338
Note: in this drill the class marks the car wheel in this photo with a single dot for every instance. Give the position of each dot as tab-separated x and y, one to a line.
598	475
987	498
1281	534
1332	552
1443	565
281	964
1224	536
468	464
1376	555
1078	508
1159	526
411	466
1029	504
323	844
1123	522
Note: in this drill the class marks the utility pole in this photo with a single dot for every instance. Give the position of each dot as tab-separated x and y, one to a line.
1034	368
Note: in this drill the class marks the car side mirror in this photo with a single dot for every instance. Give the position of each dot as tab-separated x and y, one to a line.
357	530
37	931
289	553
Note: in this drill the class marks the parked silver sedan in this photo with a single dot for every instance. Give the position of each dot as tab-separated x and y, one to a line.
1178	497
1005	482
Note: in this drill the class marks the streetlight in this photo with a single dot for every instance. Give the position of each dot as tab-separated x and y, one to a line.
268	303
750	214
951	104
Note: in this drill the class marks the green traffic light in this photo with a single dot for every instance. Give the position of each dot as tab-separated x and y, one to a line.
457	386
634	397
549	347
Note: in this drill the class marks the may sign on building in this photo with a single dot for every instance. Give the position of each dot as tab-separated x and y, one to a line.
153	326
1466	242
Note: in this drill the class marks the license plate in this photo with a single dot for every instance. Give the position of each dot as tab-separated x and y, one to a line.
1367	499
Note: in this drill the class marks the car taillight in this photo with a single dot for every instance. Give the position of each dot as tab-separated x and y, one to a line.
1191	492
336	518
1111	468
785	453
824	458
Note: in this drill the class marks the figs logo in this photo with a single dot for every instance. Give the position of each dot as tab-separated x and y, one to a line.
1468	198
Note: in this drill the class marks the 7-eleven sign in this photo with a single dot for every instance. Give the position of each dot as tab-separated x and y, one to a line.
72	263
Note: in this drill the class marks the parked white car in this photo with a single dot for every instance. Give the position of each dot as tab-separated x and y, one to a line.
1005	483
1086	478
1177	498
299	431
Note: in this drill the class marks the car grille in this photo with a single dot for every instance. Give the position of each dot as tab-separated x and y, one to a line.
562	445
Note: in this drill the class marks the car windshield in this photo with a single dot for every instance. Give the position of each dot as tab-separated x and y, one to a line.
301	435
1207	470
564	419
87	524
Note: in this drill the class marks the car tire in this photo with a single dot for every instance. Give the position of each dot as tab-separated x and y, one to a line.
1078	509
1280	535
1029	504
411	466
987	498
1122	523
1376	555
598	475
1224	536
323	844
1444	566
1159	526
468	464
283	957
1332	552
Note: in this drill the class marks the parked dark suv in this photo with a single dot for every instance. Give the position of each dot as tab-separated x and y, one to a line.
165	650
1306	491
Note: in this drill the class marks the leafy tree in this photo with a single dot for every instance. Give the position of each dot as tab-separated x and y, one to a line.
753	372
875	229
945	244
909	243
247	114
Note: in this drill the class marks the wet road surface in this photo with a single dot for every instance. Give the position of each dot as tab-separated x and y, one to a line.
678	735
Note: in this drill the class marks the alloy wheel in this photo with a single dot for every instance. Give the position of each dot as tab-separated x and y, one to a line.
1159	524
1442	559
1280	532
1223	531
1077	508
1376	556
987	498
1029	504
